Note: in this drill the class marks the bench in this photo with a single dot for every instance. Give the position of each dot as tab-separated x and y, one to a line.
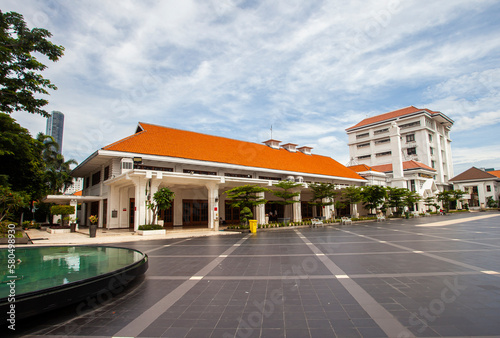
427	214
316	223
345	220
415	214
380	218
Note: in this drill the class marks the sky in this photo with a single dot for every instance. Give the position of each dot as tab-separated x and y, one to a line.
310	69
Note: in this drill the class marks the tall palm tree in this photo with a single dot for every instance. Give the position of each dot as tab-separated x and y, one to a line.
57	169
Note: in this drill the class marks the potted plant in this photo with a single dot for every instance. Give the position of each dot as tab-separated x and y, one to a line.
93	225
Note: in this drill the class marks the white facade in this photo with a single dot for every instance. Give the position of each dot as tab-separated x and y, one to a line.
115	181
424	136
478	185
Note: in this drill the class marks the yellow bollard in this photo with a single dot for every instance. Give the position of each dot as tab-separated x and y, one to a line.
253	225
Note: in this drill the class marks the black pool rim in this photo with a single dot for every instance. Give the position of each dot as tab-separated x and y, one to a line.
35	302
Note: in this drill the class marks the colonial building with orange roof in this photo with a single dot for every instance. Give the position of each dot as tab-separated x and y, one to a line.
405	137
479	185
199	168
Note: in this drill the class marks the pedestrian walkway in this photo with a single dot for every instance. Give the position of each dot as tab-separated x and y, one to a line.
104	236
390	279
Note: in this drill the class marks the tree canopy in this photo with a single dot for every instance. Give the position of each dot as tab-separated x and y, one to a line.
322	191
285	194
20	78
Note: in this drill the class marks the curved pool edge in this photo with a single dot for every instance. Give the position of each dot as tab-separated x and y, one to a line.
103	287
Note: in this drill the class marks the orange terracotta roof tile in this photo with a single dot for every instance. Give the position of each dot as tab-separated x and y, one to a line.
163	141
495	172
361	167
391	115
78	193
406	166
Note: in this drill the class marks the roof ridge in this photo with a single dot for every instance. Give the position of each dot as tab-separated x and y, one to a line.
124	139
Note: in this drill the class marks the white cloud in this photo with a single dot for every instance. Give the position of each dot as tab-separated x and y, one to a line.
233	68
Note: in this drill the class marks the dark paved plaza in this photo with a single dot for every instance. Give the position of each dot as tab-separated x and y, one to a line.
436	276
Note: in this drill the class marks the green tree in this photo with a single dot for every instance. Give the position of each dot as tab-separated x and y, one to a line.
285	194
162	200
322	191
396	198
245	197
22	165
411	198
58	174
429	201
373	196
351	195
10	201
62	210
20	80
447	197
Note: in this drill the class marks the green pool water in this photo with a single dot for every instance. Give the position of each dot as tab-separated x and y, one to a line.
44	267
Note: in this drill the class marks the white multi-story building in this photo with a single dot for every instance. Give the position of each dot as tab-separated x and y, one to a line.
408	137
76	186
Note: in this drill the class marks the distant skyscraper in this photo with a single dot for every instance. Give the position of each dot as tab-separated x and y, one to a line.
55	127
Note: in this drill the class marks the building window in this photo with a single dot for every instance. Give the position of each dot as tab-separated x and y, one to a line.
362	135
411	185
385	153
362	145
410	138
409	125
430	137
433	164
429	123
127	165
364	156
411	151
432	151
488	188
149	167
96	178
238	175
106	173
270	178
383	141
87	182
200	172
381	131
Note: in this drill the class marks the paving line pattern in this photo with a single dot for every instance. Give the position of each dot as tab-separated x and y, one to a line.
385	320
139	324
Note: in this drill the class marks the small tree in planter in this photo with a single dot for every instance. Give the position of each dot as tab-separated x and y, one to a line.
62	210
162	200
245	196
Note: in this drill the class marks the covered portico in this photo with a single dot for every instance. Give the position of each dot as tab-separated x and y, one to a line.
200	200
85	201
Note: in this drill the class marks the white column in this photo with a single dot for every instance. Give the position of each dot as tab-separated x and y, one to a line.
113	204
177	212
213	206
397	159
354	212
74	203
140	201
260	210
297	210
439	162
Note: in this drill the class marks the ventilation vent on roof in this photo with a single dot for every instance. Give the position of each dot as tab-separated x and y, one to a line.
290	147
305	149
275	144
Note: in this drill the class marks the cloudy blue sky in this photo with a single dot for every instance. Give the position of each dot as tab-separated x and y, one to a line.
234	68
